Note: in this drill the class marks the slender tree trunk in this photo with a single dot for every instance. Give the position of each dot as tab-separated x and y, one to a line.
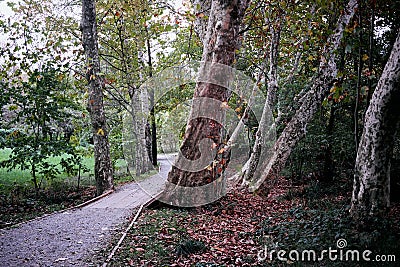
359	73
269	105
327	174
34	179
328	171
152	111
139	111
220	45
370	52
103	167
296	128
371	189
202	10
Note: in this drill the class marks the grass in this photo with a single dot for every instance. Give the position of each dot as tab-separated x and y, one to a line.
23	177
18	201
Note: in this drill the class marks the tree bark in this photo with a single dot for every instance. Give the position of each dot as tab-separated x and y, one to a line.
371	189
296	128
360	66
261	138
152	110
202	10
220	45
139	138
103	167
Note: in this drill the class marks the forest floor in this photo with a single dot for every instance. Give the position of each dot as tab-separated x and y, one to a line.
244	229
240	229
74	237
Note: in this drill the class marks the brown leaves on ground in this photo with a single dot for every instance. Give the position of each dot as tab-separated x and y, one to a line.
233	230
226	228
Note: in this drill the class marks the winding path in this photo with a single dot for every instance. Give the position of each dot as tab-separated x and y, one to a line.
73	237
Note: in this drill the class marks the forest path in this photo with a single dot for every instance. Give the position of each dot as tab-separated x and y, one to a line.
72	237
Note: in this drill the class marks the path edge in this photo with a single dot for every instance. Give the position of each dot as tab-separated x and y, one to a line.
90	201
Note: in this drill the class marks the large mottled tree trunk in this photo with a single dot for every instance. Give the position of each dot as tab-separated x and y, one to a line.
220	45
371	189
103	168
296	128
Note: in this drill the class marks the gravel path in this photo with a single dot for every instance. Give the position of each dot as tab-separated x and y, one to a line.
72	237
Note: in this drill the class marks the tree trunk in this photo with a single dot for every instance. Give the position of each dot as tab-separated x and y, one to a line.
360	66
136	125
202	11
152	110
371	189
370	53
296	128
259	147
328	170
220	44
103	168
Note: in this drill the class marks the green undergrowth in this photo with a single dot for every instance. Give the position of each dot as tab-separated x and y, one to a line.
318	220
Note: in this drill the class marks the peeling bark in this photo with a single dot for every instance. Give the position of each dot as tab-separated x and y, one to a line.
371	189
220	45
103	168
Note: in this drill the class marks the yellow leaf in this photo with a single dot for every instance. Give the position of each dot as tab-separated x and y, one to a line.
100	132
365	57
333	89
